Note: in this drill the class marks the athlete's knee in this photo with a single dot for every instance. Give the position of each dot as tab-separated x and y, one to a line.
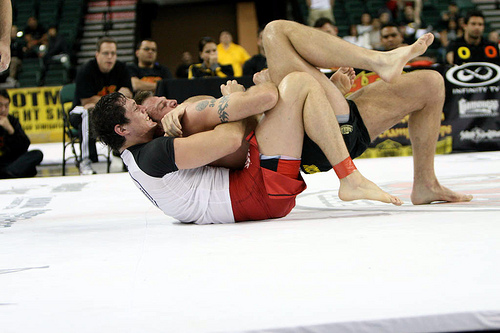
433	82
302	79
274	29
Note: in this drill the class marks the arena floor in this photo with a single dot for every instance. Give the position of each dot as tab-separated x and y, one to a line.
91	254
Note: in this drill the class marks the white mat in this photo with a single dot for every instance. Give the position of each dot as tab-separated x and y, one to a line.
91	254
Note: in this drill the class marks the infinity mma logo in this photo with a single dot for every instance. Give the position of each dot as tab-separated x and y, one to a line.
474	74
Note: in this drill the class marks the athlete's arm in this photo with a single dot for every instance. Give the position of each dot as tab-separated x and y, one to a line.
190	118
200	149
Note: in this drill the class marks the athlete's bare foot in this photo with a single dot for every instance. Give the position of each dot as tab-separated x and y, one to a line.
425	194
394	61
357	187
343	79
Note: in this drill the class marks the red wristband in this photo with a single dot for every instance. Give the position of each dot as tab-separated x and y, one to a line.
344	168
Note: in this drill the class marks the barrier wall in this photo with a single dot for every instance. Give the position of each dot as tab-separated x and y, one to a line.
39	112
470	119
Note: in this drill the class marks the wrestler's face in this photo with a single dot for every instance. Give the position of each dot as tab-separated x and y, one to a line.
391	38
157	107
106	57
140	124
475	27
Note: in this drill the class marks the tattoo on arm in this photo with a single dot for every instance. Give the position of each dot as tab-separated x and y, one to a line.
223	104
201	105
212	102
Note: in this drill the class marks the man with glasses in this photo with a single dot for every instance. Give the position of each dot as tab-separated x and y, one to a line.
98	77
147	72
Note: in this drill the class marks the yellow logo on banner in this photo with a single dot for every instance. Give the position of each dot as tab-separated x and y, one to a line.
39	112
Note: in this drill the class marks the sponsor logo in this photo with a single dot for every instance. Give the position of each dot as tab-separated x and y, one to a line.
474	74
485	108
479	135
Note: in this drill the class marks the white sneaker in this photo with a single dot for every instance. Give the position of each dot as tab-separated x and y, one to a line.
86	168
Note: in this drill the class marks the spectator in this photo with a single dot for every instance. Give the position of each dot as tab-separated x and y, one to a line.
356	39
320	8
472	46
452	13
231	53
374	35
493	37
390	37
258	62
57	49
16	52
147	72
182	70
35	35
15	159
209	65
366	24
326	25
385	17
96	78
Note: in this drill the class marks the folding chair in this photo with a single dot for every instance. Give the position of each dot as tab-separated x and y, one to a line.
70	134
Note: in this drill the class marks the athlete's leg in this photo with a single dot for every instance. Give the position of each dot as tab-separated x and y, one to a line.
419	94
291	46
303	107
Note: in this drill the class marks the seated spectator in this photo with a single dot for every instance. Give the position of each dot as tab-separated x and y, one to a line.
374	35
182	70
385	17
96	78
35	35
366	24
147	72
326	25
15	159
209	65
56	50
16	53
472	47
231	54
320	8
391	38
493	37
452	13
258	62
356	39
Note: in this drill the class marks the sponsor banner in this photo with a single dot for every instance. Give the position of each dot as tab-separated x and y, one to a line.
39	112
396	140
472	105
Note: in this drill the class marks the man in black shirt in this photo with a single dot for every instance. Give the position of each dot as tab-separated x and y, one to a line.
35	35
15	159
96	78
147	72
472	47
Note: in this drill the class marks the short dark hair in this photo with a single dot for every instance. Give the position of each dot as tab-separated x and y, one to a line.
138	46
108	112
5	94
322	21
204	41
471	13
102	40
142	95
389	25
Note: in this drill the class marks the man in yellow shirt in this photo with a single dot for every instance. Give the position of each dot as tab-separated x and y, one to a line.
231	53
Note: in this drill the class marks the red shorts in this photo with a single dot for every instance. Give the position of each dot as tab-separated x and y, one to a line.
258	193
